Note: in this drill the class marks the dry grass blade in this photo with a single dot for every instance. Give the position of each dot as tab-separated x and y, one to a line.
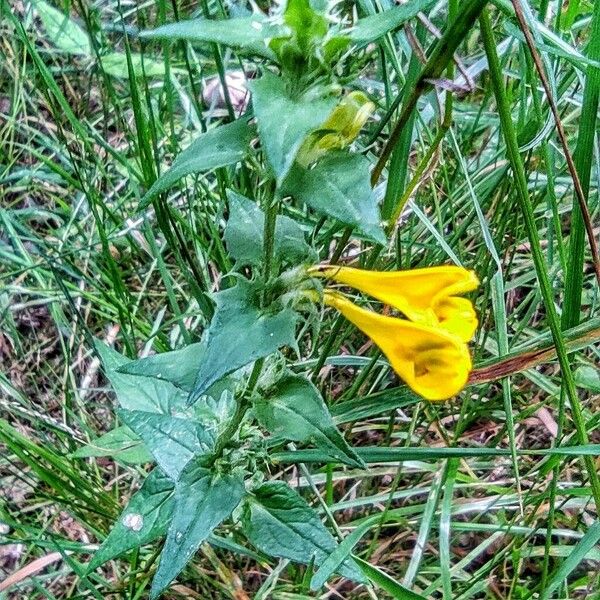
576	339
581	199
32	568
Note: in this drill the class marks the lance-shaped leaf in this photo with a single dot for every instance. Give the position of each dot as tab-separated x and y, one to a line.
62	31
219	147
245	229
145	518
178	367
139	393
249	33
338	186
202	501
284	122
294	410
121	443
240	333
173	441
372	27
280	523
115	64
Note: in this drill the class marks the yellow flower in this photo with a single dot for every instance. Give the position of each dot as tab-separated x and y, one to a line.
427	296
434	363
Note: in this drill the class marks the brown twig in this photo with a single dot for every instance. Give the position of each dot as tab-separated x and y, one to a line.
577	338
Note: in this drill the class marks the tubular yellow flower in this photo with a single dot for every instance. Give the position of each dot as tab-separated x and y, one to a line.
426	296
434	363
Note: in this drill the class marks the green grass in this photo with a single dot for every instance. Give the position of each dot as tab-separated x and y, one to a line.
488	187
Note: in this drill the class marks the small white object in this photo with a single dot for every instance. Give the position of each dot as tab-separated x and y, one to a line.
133	521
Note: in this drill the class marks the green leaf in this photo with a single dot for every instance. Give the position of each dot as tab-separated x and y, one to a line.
284	122
173	441
244	231
62	31
219	147
244	234
307	24
145	519
555	47
178	367
231	546
215	411
373	27
139	393
387	583
202	501
280	523
120	443
338	186
341	553
115	64
365	407
294	410
248	33
290	243
240	333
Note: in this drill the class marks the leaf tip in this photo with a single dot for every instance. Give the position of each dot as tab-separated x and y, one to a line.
147	33
376	233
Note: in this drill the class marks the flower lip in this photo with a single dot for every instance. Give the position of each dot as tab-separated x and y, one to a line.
433	362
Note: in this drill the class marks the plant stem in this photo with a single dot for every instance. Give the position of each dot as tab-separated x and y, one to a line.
231	428
339	248
335	330
269	236
241	409
244	401
512	149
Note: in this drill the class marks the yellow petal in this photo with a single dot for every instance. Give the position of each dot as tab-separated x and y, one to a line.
434	363
424	295
457	316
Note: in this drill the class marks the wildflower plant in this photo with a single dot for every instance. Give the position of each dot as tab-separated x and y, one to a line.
211	416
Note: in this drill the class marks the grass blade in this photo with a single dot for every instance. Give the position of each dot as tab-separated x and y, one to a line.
516	161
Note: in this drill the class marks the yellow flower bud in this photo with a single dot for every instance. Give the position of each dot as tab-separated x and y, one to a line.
339	130
346	121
